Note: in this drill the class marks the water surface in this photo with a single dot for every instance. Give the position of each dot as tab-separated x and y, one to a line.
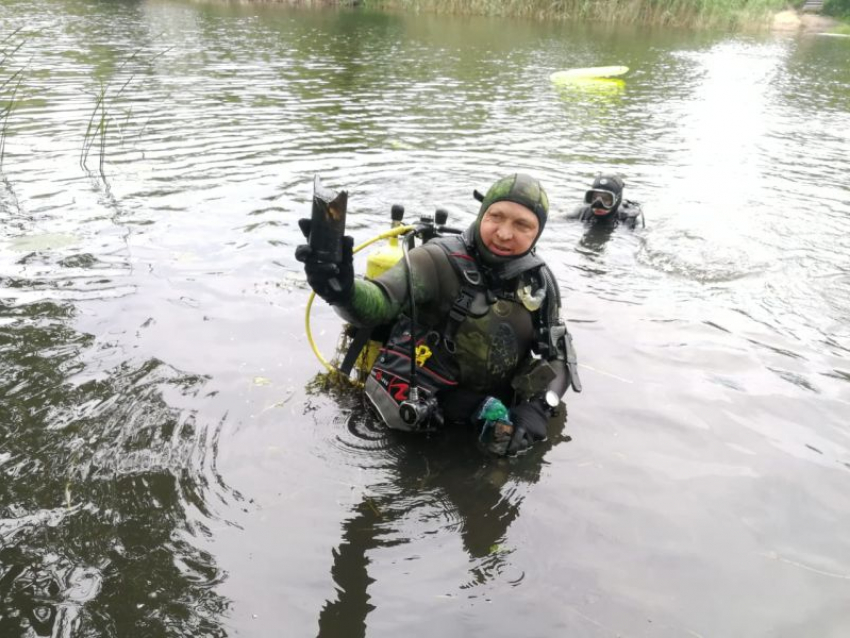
170	466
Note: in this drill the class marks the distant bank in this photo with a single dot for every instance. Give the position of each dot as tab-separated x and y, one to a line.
779	15
806	23
685	13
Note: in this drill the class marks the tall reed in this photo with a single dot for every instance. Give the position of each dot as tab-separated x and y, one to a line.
96	130
102	119
693	13
9	87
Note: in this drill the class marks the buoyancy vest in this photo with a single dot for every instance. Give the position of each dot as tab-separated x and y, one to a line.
436	351
627	212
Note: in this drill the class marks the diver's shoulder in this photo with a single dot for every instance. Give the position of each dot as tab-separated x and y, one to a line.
579	212
630	208
631	213
443	246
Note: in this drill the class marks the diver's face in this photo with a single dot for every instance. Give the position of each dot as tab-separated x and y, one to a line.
508	229
601	201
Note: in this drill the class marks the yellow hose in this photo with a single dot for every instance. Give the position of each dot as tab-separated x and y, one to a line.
392	232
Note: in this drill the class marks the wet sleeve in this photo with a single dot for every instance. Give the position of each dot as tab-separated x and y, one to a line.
632	213
561	381
561	354
383	299
563	357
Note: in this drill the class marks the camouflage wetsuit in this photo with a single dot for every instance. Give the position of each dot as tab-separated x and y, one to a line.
491	342
480	314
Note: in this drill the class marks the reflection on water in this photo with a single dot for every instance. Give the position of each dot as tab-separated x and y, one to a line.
595	237
99	475
165	468
444	482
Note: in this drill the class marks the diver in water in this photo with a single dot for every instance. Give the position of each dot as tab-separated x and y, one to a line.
475	333
604	204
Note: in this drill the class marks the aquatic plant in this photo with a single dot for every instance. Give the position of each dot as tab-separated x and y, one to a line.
100	119
11	83
96	130
106	102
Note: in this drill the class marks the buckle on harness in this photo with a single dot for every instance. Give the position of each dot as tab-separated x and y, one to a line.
472	276
459	311
462	306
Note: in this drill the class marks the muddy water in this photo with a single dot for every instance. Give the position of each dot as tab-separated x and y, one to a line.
170	465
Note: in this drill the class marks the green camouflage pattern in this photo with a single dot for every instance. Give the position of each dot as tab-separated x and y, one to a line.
369	305
521	189
489	347
374	305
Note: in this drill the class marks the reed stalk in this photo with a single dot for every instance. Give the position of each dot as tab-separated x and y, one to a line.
102	120
96	130
7	102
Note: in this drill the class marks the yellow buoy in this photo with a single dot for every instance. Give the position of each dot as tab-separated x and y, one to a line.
595	72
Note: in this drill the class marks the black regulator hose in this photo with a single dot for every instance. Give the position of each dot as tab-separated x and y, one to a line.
426	230
410	295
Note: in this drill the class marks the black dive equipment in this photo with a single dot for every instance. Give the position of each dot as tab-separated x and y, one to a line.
327	224
421	411
598	198
392	385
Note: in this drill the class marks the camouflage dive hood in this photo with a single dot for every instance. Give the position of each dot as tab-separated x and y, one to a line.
518	188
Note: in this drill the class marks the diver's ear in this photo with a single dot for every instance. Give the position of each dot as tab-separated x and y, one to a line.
477	195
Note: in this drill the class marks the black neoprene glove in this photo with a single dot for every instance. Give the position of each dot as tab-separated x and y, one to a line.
332	282
529	419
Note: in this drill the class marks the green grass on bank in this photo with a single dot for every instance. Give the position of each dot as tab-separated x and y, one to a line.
693	13
837	8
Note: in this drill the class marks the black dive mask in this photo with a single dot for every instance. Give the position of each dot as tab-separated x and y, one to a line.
598	198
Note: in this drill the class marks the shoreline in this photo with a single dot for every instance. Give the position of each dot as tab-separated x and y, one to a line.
807	23
791	21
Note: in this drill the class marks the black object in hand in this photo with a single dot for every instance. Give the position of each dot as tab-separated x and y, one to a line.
333	282
327	223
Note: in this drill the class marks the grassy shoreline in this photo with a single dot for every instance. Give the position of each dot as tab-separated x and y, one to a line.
744	15
684	13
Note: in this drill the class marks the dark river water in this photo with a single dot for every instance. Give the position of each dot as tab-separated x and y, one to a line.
169	462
